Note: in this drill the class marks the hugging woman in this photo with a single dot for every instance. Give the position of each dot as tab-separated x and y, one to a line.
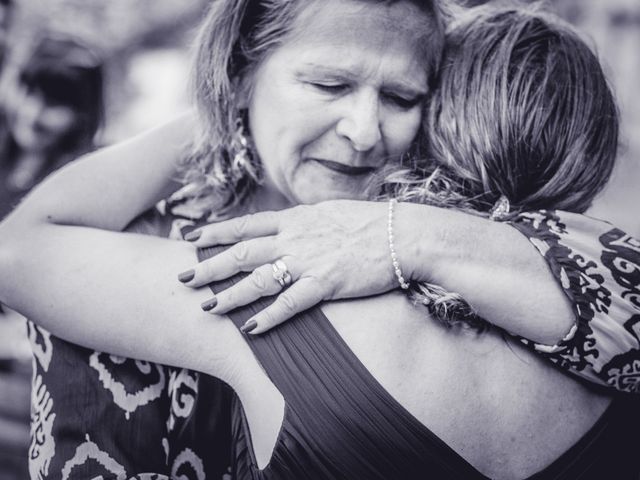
361	388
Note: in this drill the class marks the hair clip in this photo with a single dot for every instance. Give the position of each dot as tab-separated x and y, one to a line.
500	209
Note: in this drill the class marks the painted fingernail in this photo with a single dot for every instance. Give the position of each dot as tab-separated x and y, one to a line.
209	304
249	326
193	235
187	276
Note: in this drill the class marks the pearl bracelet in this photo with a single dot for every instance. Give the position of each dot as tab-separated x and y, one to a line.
394	259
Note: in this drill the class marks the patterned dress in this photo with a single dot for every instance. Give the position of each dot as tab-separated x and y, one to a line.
598	267
96	415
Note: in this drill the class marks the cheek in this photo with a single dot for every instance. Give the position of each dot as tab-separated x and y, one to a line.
401	130
267	138
272	111
282	129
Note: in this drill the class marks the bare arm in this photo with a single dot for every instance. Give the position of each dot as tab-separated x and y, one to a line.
565	284
110	187
496	269
108	291
490	264
73	280
597	271
340	249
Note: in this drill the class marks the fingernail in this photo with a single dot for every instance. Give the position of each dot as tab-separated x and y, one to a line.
249	326
187	276
193	235
209	304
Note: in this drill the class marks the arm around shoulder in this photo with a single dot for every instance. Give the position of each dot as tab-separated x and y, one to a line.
493	267
565	284
108	291
111	186
598	267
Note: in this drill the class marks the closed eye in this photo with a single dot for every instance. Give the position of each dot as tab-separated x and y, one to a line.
332	88
404	103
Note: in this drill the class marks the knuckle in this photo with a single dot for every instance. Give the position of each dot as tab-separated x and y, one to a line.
258	280
203	271
241	225
288	302
300	210
327	286
227	296
288	239
280	241
239	252
299	214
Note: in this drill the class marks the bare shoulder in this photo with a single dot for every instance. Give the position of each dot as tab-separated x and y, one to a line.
487	397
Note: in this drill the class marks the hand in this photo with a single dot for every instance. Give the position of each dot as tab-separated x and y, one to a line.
333	250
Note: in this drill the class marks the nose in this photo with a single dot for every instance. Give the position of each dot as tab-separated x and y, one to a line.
360	123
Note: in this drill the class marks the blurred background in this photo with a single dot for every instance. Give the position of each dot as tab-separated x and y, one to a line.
75	75
79	74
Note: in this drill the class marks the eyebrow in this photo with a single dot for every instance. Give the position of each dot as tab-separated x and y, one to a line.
346	74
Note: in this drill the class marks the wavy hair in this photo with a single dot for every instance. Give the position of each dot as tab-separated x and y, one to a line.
236	36
522	110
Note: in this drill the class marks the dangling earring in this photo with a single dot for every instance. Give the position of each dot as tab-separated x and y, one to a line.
243	160
239	148
500	209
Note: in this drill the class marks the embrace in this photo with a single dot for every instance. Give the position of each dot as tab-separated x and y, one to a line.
404	182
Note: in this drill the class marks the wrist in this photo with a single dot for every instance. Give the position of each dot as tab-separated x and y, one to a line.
430	241
414	245
404	283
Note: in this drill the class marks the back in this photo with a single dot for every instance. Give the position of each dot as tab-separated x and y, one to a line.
373	389
498	405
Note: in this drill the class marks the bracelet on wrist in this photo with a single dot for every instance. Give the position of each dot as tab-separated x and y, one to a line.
394	258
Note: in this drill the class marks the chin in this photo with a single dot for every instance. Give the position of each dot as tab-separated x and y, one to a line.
315	187
320	195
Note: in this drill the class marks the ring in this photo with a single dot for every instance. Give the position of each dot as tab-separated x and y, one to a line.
281	273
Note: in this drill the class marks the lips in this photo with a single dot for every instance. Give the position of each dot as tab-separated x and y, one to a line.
344	169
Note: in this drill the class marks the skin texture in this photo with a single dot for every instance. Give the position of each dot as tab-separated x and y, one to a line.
339	249
338	99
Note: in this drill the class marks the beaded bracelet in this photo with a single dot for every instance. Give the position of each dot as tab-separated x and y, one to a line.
394	259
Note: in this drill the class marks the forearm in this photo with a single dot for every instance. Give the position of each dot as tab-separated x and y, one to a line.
110	187
108	291
492	266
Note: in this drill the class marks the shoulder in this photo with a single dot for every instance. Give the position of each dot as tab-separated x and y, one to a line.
171	216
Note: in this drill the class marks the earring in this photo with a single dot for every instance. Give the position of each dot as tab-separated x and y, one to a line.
241	169
500	209
241	157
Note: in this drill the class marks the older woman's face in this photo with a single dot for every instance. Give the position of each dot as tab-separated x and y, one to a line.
340	97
